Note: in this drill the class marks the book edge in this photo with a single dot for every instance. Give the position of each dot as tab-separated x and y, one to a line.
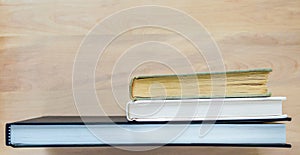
200	97
210	99
273	145
8	134
206	73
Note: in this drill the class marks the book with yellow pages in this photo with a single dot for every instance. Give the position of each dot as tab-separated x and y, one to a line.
242	83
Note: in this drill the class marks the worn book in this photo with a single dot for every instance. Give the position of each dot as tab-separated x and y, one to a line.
74	131
241	83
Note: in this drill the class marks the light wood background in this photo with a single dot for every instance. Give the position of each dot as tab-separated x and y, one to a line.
39	40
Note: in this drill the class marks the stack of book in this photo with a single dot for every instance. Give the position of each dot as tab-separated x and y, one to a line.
191	97
174	110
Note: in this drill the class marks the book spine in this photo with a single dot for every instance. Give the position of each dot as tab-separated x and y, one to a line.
8	135
131	89
128	111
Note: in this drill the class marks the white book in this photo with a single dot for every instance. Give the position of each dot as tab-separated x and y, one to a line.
205	109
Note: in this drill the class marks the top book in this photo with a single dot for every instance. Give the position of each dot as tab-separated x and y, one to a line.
241	83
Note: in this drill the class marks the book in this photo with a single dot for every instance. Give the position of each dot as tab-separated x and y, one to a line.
62	131
242	83
198	109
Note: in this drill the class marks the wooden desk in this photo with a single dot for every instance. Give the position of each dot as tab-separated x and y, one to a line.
39	41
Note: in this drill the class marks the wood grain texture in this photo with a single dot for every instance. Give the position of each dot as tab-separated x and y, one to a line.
39	41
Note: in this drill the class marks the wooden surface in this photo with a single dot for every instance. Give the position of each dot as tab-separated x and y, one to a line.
39	40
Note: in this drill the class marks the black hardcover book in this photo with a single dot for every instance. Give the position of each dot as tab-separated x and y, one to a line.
73	131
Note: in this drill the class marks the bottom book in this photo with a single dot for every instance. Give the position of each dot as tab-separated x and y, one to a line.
55	131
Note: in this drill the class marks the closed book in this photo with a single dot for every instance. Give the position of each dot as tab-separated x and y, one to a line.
241	83
206	109
73	131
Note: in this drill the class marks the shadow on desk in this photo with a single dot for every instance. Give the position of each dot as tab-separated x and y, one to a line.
163	150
